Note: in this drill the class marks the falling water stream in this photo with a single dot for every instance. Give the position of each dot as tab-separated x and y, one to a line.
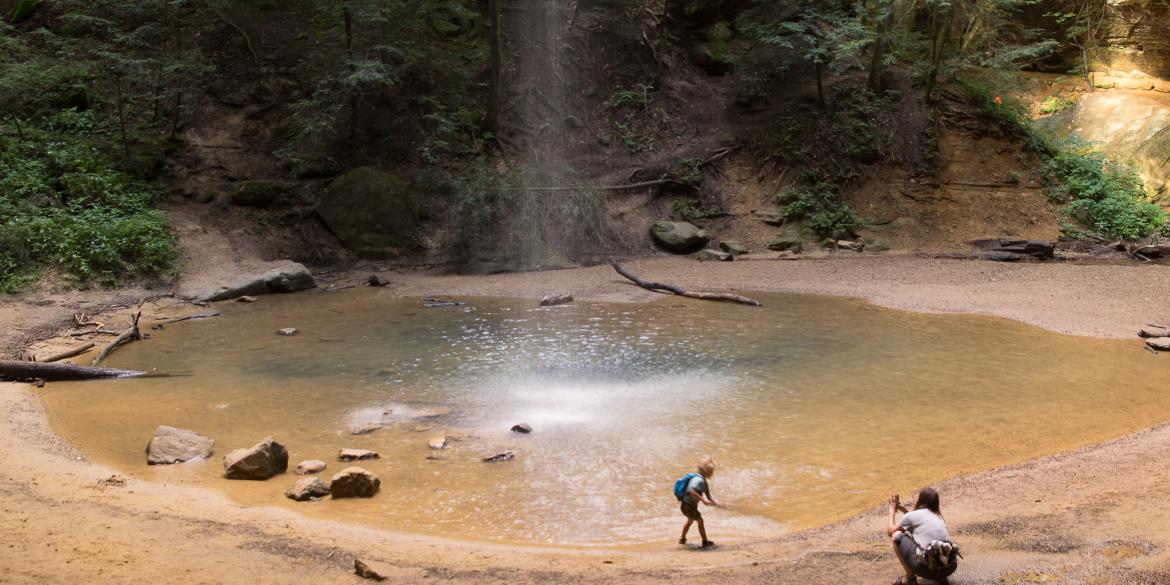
815	408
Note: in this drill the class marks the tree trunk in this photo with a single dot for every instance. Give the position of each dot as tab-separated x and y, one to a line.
121	109
880	46
15	370
820	86
495	40
937	46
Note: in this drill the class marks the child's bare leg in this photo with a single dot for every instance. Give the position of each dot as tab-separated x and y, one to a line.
686	529
702	530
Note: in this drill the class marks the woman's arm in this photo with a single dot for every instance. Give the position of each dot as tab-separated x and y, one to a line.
893	525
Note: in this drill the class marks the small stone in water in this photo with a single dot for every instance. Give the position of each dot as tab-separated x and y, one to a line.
307	489
246	299
310	466
365	429
173	445
430	413
503	456
556	299
437	442
522	428
356	455
378	280
287	331
438	303
354	482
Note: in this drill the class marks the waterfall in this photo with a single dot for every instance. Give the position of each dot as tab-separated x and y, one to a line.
546	221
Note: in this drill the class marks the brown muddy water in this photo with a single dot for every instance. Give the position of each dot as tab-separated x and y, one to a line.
814	407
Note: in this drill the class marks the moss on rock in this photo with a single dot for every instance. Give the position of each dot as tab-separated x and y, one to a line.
374	214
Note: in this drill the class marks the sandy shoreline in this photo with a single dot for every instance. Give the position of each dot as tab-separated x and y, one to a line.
1092	516
1095	300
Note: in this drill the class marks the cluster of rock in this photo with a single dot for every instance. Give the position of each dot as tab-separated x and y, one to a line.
269	458
265	460
680	237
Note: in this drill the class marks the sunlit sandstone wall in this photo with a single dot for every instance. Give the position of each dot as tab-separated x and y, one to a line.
1138	40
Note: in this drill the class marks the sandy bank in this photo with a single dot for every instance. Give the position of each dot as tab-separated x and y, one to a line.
1095	300
1093	516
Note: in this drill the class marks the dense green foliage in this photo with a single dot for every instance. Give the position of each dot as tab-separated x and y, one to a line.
1108	196
821	206
63	203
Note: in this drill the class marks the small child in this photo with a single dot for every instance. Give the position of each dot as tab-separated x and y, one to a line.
698	490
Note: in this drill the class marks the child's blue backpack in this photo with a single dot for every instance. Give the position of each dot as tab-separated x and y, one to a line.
680	486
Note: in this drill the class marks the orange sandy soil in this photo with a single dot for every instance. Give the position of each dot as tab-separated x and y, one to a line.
1095	516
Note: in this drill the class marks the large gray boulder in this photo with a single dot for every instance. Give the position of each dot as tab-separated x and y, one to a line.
174	445
374	214
279	277
679	237
354	482
259	462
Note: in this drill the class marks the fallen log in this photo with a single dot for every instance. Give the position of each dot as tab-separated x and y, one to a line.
68	354
670	288
206	315
16	370
129	335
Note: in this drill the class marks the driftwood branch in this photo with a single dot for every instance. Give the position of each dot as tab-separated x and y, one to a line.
68	354
670	288
17	370
129	335
195	316
1146	333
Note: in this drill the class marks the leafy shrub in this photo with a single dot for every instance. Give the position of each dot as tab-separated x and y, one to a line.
1104	195
821	205
1055	104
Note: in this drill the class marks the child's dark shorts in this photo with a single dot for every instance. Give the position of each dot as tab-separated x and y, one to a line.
691	511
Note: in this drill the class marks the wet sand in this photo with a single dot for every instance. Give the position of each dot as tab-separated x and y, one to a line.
1092	516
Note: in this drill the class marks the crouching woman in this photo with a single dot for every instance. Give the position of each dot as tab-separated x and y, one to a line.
921	541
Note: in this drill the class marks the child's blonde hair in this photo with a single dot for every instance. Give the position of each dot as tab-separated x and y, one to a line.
706	466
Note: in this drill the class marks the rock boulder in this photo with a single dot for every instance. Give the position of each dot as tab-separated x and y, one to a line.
356	455
709	255
354	482
310	466
556	299
679	237
173	445
279	277
374	214
1009	250
259	462
307	489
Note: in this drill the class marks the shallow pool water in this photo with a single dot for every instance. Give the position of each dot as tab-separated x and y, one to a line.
814	408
